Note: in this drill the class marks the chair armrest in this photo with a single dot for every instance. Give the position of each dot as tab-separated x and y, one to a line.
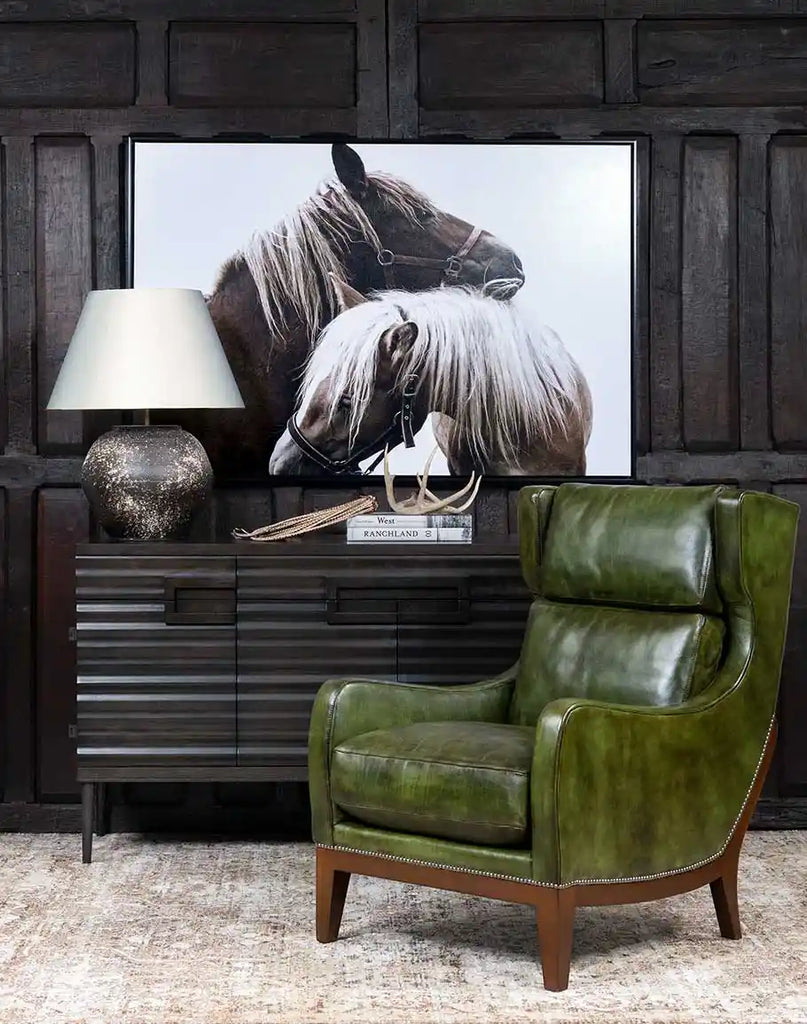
627	792
350	707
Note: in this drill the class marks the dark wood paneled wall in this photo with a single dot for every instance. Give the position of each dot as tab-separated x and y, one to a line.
716	92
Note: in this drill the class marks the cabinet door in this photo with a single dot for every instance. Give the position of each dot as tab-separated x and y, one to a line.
297	628
156	661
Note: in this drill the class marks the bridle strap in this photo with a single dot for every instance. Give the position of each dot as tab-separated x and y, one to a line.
401	430
466	246
450	267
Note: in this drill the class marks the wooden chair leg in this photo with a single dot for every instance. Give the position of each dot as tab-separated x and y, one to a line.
724	894
331	892
555	918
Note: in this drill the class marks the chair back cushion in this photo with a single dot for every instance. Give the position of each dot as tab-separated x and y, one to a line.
632	546
629	609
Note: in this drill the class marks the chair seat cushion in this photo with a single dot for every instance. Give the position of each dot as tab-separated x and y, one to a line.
455	780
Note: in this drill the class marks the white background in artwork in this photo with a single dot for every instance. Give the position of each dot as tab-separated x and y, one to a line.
565	209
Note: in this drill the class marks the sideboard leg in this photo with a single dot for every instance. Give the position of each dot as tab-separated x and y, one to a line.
87	820
102	808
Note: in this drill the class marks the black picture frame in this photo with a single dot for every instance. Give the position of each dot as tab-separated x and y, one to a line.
357	480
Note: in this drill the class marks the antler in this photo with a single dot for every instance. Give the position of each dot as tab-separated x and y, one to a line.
425	502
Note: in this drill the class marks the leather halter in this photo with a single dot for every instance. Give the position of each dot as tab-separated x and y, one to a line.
450	268
400	430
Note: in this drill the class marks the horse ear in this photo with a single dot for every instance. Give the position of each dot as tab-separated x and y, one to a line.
349	169
397	341
346	296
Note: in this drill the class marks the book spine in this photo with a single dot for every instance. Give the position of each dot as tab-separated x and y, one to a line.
393	535
452	522
391	522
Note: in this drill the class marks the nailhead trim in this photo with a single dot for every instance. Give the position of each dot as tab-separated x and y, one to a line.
434	864
580	881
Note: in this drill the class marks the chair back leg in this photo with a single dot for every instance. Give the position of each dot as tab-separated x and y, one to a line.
724	894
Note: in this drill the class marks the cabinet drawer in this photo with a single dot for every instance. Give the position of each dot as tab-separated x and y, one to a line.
140	729
431	574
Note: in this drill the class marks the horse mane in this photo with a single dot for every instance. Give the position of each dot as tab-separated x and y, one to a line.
505	381
291	263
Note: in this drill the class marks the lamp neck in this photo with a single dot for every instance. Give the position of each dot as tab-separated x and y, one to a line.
147	420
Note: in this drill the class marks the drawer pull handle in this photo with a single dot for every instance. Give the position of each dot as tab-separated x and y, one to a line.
195	602
398	604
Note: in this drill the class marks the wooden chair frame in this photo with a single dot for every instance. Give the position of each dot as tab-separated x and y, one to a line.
554	905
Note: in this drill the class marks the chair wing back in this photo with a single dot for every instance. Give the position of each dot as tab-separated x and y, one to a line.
628	602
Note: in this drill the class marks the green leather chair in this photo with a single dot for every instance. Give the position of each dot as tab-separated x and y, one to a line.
618	761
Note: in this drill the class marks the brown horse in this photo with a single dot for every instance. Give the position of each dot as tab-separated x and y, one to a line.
272	299
510	398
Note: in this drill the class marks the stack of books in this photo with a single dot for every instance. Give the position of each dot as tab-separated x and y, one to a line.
397	529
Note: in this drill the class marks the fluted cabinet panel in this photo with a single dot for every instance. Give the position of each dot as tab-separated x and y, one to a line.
152	690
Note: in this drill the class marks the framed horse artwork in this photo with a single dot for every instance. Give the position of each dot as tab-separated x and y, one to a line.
402	297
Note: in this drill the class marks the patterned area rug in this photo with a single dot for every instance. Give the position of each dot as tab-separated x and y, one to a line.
160	931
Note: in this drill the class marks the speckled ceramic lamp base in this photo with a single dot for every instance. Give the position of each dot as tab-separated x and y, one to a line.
146	482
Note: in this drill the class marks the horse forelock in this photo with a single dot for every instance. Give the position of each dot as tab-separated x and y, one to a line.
292	263
506	382
346	355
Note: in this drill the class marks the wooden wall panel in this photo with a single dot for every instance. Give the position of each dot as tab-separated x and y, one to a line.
3	281
19	293
752	286
63	520
6	647
524	10
788	285
699	8
262	65
67	65
402	49
793	702
152	62
529	10
372	103
18	719
717	62
620	58
709	294
714	89
501	64
665	292
64	272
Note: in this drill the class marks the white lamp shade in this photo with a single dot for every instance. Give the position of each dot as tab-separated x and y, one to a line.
145	348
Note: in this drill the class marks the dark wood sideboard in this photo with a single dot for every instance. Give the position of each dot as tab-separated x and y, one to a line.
201	661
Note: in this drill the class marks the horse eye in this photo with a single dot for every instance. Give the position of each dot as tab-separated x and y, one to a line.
344	402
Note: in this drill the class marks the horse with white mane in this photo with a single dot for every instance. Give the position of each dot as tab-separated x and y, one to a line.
273	297
513	400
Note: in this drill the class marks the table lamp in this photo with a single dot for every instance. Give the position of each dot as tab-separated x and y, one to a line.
145	348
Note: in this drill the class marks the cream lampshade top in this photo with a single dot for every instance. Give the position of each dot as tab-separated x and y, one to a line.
145	348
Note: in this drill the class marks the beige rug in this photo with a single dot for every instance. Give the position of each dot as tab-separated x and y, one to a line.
197	932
